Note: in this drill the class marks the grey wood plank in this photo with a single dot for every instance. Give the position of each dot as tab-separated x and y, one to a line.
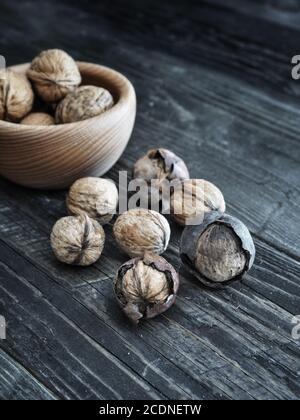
62	354
256	336
187	65
285	13
165	376
18	383
200	32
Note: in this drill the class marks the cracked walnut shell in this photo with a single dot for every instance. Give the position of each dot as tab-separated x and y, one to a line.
16	96
77	240
146	287
97	197
217	251
85	102
54	73
138	231
158	166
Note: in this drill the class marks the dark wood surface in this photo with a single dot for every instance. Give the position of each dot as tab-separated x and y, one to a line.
213	82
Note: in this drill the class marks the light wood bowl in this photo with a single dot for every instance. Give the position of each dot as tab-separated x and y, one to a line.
53	157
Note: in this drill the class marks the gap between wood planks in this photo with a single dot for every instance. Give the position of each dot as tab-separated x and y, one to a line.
21	383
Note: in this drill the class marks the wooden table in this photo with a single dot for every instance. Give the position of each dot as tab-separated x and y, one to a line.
214	84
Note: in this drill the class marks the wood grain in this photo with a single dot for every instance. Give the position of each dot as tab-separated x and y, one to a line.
53	157
219	94
18	384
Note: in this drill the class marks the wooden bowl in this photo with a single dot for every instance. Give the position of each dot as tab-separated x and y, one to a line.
53	157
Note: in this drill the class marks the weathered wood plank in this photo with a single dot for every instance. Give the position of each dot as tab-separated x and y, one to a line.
256	336
165	376
18	383
285	13
235	343
62	354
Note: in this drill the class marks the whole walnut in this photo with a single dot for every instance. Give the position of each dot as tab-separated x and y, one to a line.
16	96
77	240
193	198
219	250
146	287
85	102
54	73
97	197
139	230
38	118
158	166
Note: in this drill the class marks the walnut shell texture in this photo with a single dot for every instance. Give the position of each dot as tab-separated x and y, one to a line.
54	73
16	96
160	164
219	256
193	198
85	102
38	118
139	230
97	197
77	240
146	287
217	251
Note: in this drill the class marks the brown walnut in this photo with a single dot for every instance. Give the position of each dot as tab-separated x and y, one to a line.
97	197
139	230
77	240
158	166
38	118
219	250
193	198
54	73
145	287
85	102
16	96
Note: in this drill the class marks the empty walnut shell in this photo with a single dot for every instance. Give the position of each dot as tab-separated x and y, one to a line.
77	240
158	166
146	287
97	197
85	102
54	73
219	250
138	231
38	118
16	96
193	198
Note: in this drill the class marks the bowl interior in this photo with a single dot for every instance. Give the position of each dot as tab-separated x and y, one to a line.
92	74
53	157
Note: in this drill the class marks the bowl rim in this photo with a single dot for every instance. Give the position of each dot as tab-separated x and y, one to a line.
125	88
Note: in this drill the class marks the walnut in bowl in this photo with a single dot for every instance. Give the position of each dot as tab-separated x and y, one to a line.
83	103
54	74
54	156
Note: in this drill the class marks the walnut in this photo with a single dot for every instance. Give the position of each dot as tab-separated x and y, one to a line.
218	250
158	166
193	198
145	287
97	197
16	96
77	240
139	230
85	102
54	74
38	118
